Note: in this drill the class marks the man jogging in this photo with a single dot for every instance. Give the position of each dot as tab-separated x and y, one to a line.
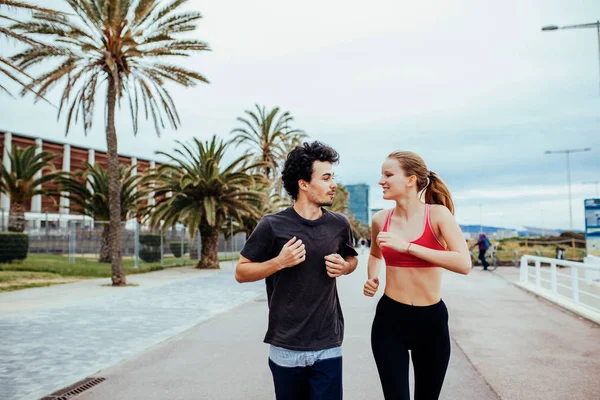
300	252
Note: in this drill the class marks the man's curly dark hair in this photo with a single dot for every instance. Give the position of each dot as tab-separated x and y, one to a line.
299	164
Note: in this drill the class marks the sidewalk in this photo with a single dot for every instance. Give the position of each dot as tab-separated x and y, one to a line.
524	346
506	343
224	359
54	336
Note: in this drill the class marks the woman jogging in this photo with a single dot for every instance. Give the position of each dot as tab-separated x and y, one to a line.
417	241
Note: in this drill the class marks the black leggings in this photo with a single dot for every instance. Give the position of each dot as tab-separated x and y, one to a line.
398	328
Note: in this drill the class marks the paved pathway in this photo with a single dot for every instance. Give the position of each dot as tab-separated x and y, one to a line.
506	343
54	336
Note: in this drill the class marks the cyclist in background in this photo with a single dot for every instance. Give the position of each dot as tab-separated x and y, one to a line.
484	244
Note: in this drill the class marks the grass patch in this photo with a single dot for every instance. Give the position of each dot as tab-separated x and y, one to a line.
227	256
88	267
15	280
83	267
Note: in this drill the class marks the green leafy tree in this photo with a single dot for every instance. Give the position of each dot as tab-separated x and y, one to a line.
24	181
269	137
196	189
118	45
88	194
8	68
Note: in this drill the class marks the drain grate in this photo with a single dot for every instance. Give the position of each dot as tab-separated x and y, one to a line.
74	389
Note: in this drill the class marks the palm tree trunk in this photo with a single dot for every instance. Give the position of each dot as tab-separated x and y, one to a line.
114	187
16	217
104	245
209	254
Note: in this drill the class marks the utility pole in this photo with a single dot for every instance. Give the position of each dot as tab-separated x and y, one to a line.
581	26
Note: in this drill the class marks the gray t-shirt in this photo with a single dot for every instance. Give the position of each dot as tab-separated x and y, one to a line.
304	308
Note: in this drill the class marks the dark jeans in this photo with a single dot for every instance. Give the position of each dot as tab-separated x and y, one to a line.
320	381
482	259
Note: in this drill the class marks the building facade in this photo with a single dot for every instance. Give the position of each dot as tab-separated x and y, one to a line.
358	202
69	158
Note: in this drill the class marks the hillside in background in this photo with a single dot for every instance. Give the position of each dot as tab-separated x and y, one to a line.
474	229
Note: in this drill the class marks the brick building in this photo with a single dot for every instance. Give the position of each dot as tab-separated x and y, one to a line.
70	158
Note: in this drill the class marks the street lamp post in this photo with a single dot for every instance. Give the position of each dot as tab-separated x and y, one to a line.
581	26
567	152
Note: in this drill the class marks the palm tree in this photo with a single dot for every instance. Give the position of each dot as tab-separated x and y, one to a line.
117	44
24	181
269	136
203	193
7	67
88	193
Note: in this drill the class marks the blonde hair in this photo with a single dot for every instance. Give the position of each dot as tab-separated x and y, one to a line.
435	190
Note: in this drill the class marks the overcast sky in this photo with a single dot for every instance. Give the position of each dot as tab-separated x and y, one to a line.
474	87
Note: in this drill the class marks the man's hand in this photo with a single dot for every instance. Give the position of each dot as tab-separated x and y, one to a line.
336	265
292	253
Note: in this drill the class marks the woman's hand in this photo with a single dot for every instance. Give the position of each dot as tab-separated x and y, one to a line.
391	241
371	287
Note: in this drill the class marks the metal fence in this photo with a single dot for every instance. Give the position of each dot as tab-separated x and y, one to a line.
82	239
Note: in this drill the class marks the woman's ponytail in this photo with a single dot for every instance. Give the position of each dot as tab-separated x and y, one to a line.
437	192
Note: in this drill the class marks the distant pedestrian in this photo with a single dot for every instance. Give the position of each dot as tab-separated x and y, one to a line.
560	253
300	252
484	244
363	244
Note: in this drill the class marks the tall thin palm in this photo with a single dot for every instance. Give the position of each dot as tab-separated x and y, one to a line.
24	181
87	191
7	67
268	134
204	193
119	43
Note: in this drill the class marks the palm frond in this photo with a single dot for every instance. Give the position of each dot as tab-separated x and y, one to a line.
124	41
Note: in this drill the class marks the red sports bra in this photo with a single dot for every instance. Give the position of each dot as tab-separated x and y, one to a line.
395	258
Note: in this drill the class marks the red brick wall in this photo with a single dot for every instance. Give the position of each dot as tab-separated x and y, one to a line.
51	203
79	156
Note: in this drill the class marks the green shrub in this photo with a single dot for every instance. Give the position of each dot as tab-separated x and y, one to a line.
150	247
150	239
13	246
176	248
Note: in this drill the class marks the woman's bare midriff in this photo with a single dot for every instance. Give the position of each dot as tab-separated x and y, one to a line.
414	286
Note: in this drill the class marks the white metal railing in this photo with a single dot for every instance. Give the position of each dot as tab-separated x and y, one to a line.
560	284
